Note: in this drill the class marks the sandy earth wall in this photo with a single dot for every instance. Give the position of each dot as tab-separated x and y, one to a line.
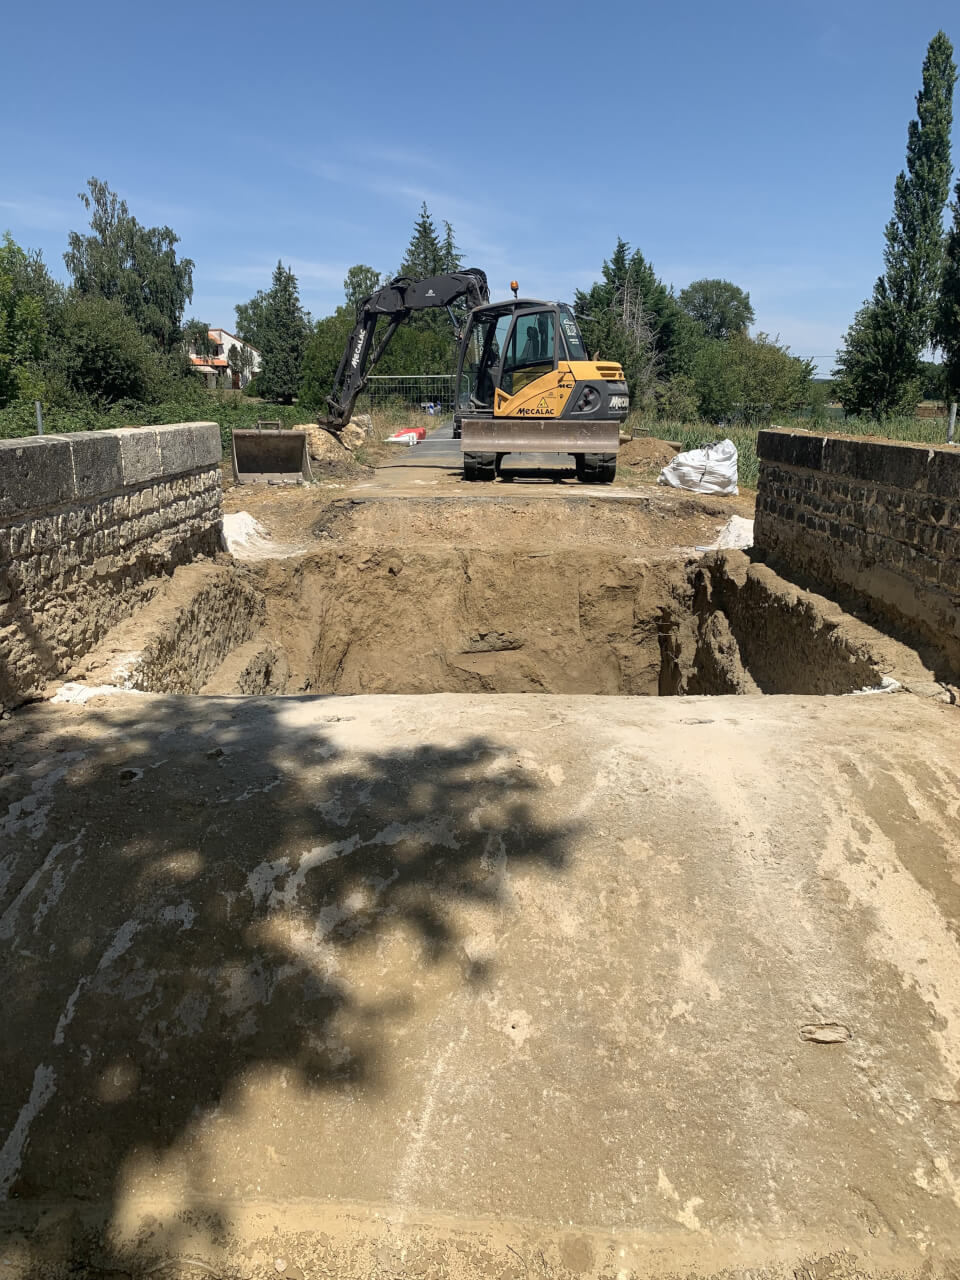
877	519
89	523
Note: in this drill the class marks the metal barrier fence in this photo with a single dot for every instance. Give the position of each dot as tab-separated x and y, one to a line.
423	392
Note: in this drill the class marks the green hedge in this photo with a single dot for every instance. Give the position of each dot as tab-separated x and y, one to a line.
20	419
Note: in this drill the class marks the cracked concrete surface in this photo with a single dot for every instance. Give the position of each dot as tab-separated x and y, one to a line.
481	986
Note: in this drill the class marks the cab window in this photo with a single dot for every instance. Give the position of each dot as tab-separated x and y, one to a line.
530	350
469	378
571	334
481	364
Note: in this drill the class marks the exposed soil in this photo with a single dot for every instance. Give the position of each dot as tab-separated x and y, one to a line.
649	517
483	986
646	454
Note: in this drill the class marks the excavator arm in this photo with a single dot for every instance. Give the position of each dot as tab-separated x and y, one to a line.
396	301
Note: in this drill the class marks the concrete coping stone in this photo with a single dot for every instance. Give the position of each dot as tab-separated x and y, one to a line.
907	464
40	472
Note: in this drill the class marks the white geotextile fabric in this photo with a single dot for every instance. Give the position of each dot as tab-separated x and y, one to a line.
246	539
710	469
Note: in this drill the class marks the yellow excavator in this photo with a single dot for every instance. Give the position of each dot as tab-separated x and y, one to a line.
524	381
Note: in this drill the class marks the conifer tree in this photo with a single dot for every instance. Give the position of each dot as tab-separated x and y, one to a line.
891	331
425	253
450	255
631	316
284	329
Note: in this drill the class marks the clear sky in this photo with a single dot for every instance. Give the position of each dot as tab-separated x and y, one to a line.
754	141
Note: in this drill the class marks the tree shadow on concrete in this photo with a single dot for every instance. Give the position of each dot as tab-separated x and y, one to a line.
184	878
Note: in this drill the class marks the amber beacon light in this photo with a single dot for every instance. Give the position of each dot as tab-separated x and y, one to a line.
515	287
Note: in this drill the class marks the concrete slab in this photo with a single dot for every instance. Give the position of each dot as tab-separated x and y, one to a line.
97	464
207	442
35	472
177	445
140	454
481	986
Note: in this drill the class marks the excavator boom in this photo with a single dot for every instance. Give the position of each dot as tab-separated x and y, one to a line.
397	301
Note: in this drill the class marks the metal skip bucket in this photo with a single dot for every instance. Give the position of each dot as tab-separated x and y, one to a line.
269	454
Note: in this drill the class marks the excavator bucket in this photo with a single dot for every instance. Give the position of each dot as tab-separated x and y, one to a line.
268	454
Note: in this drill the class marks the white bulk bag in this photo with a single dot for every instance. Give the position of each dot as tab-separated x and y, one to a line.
710	469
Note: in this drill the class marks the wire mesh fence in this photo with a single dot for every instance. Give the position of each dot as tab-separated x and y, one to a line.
427	393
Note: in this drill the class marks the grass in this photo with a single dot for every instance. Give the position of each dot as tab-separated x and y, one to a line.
693	435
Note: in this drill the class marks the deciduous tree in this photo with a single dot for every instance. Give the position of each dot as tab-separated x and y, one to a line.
719	307
359	283
879	363
100	355
27	299
322	357
750	379
250	319
947	322
134	265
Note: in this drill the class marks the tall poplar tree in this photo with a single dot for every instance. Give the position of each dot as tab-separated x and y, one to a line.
891	331
947	323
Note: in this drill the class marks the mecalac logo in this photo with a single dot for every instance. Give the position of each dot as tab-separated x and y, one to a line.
542	410
355	360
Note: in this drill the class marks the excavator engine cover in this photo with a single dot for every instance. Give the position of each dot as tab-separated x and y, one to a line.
268	454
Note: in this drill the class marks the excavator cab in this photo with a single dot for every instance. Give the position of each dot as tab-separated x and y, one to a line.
524	383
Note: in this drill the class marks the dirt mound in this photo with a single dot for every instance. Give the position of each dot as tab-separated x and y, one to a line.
654	519
648	453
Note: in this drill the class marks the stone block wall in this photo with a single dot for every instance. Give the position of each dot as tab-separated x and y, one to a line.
89	524
875	521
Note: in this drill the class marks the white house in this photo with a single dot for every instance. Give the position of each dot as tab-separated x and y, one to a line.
216	368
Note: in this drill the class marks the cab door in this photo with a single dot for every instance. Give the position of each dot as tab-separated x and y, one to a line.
531	386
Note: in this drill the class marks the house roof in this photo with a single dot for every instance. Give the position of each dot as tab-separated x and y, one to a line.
228	334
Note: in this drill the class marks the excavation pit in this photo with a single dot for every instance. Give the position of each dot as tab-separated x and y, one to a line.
421	598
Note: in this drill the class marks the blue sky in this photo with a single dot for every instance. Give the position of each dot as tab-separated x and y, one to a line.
754	141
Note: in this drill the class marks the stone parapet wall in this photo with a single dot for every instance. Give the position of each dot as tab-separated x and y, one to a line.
89	524
867	519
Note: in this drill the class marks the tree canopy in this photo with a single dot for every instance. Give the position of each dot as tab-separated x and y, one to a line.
27	299
250	319
134	265
879	364
359	282
630	315
720	308
750	380
282	328
947	317
425	344
427	254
